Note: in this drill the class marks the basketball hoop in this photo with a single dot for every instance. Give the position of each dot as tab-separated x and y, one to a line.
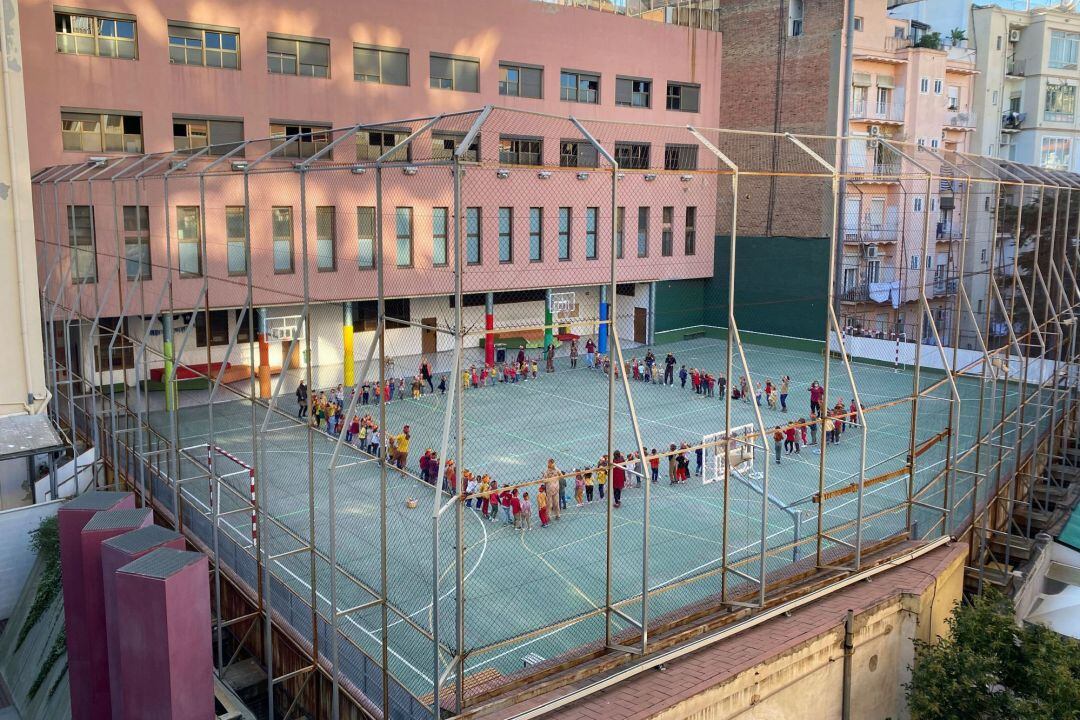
563	305
284	329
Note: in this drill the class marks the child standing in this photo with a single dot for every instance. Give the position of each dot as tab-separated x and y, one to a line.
785	386
526	511
579	488
778	439
541	505
601	476
515	507
682	376
654	464
588	479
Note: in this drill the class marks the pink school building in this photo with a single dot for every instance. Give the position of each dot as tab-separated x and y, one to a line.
124	78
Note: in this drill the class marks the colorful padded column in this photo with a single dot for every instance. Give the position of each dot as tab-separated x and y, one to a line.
349	361
264	356
549	336
167	355
602	339
489	325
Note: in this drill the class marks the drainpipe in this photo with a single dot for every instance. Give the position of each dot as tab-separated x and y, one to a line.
849	651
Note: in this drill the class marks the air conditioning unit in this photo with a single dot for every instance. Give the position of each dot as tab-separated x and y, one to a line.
1014	36
869	251
875	131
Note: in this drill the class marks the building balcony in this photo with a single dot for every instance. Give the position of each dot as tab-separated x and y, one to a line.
878	172
1015	68
867	233
1013	122
869	281
877	111
943	286
958	119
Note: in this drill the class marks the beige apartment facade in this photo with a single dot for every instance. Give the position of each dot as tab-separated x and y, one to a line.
907	95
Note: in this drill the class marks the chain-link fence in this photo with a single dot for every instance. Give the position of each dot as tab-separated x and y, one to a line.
462	401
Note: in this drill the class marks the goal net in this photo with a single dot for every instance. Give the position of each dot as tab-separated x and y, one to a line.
734	448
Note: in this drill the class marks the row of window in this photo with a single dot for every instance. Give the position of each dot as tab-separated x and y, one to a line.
115	36
136	223
111	132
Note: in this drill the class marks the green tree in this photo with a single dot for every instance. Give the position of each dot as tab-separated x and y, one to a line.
988	668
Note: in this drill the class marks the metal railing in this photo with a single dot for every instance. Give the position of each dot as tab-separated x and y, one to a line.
879	111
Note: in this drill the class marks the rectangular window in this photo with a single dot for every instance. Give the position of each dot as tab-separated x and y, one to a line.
520	151
690	244
564	233
620	227
101	132
444	145
365	236
194	134
219	328
683	97
924	85
1063	49
325	239
472	235
308	57
592	221
299	141
282	221
1056	153
918	204
137	241
454	73
938	87
386	66
372	144
506	235
580	87
188	241
192	45
81	240
123	349
667	242
680	157
517	80
536	234
856	23
236	239
1060	102
577	153
633	92
439	227
642	232
403	229
102	35
632	156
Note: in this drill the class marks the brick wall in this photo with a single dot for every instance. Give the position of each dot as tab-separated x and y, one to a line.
773	82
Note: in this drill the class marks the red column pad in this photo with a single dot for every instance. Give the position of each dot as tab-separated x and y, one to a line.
71	519
117	552
489	339
166	663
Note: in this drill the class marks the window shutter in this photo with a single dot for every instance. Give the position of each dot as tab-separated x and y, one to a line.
690	98
440	67
466	75
312	53
185	32
860	79
226	132
395	68
531	82
281	46
624	91
365	61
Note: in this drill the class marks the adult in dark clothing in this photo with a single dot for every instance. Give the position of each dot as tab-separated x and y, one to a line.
301	399
425	375
618	479
669	369
551	358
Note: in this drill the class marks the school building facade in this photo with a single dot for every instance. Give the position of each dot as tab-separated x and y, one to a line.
117	80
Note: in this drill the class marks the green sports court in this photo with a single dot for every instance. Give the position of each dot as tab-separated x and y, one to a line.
540	593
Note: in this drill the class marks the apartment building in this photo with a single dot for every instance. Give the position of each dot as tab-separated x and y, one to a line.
152	77
908	90
1027	81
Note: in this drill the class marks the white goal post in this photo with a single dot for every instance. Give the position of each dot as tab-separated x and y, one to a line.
734	447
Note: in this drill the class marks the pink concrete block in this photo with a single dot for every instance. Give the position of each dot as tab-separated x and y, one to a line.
166	660
71	519
102	526
115	553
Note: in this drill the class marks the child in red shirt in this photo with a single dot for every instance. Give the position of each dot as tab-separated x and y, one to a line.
515	507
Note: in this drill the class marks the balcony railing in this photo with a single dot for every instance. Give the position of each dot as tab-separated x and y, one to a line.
892	44
960	118
1015	68
867	233
879	111
1012	121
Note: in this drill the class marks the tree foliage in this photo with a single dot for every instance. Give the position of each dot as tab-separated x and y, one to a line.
988	668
